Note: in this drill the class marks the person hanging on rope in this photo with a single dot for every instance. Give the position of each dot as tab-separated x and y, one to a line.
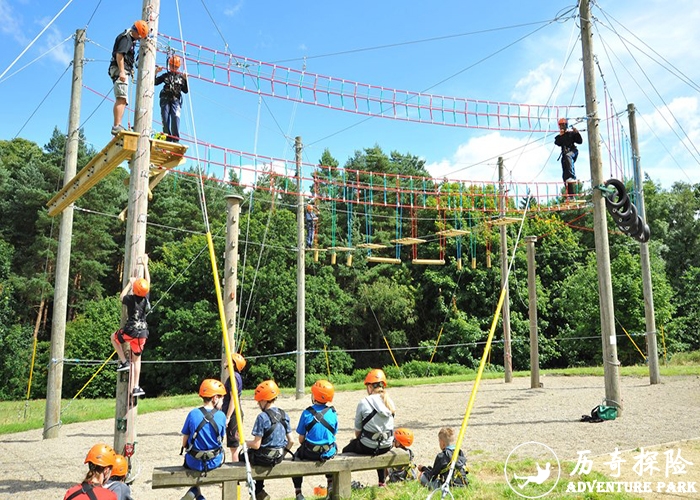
121	67
311	219
203	433
174	85
567	140
100	459
135	297
374	421
233	440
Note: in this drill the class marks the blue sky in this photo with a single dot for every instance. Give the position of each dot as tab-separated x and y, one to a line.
404	45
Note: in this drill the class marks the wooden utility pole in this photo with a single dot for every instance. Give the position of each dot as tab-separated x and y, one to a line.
54	383
532	310
137	214
231	276
650	320
507	354
611	365
301	279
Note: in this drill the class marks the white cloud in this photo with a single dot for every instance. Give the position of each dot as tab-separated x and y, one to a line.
60	50
11	23
233	10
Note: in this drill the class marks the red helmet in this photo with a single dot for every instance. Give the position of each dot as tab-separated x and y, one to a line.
102	455
211	387
121	466
404	436
174	63
376	376
267	391
322	391
140	287
141	27
238	361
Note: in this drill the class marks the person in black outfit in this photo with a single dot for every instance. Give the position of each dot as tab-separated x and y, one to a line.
121	67
175	84
567	140
434	476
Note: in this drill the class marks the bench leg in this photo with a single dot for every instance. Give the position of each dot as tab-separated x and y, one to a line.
230	491
341	485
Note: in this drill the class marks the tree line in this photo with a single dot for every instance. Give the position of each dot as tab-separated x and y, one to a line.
352	312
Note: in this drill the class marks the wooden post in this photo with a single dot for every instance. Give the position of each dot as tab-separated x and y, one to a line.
54	383
611	365
650	320
507	354
137	215
231	276
532	309
301	280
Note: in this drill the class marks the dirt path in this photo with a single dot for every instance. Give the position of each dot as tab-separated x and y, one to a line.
504	416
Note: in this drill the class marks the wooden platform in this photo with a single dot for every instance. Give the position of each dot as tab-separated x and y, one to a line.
502	221
408	241
372	246
452	232
164	156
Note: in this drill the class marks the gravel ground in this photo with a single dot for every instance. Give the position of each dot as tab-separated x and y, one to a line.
504	416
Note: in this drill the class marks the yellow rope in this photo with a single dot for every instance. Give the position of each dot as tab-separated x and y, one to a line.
391	352
632	340
663	341
95	374
328	365
31	369
437	343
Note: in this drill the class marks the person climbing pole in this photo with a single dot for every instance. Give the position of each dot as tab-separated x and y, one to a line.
311	218
567	140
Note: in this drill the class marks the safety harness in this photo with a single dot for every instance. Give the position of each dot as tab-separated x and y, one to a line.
322	451
375	436
404	473
271	456
204	455
85	489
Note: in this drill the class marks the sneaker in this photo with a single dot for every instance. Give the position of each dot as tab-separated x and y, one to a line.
262	495
124	367
138	392
191	494
116	129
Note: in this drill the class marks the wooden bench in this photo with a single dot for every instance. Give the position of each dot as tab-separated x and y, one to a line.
229	475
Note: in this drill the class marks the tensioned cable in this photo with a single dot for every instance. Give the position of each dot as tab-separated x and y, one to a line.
35	38
37	58
93	13
42	101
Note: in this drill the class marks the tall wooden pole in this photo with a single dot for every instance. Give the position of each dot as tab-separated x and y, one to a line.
54	383
301	279
137	214
532	310
231	275
650	320
507	353
611	365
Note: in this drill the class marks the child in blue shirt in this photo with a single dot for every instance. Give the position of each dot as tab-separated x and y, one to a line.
203	433
272	433
317	428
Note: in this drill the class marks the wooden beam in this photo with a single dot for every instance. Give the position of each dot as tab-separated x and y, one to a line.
502	221
383	260
119	149
373	246
408	241
452	232
429	262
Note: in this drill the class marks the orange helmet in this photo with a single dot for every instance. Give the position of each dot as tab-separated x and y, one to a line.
322	391
174	63
404	436
101	454
211	387
266	391
238	361
121	466
562	121
376	376
141	27
140	287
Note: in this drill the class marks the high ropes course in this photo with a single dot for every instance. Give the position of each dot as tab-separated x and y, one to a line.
272	80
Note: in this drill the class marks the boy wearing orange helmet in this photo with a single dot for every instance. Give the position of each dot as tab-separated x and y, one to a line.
403	438
100	459
272	433
121	67
135	297
233	440
117	481
317	428
374	421
203	433
310	220
567	140
174	85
